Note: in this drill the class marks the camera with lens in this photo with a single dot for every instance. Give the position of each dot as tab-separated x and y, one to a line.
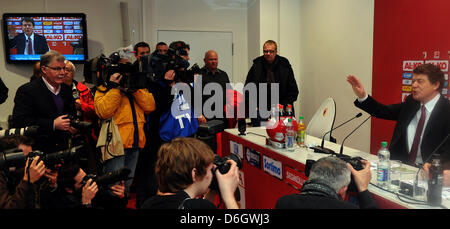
12	158
355	162
98	71
223	166
78	124
156	65
108	178
52	159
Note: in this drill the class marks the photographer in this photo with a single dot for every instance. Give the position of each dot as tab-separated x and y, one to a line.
327	187
184	170
127	107
46	102
19	187
74	191
162	126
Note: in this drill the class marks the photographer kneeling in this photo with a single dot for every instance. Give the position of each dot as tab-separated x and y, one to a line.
19	185
327	187
184	171
75	191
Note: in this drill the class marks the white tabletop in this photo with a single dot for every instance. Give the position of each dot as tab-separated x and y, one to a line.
301	154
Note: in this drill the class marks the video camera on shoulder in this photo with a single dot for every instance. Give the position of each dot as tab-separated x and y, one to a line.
98	71
156	65
109	178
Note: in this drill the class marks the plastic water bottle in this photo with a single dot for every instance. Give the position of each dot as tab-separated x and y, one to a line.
301	132
290	136
384	166
434	194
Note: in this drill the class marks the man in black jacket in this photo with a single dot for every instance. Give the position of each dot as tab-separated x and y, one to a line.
46	102
327	187
271	69
423	119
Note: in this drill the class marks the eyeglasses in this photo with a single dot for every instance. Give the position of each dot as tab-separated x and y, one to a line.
58	69
269	51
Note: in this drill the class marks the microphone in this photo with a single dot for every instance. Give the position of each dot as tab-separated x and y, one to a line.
342	145
416	180
321	149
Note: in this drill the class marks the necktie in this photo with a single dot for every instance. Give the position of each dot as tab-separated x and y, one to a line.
415	145
30	46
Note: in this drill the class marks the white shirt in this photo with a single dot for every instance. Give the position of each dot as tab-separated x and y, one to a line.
26	44
51	88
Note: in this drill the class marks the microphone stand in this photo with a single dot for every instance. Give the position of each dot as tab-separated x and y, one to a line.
321	149
342	145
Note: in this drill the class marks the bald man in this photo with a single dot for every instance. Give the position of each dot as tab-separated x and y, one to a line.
212	74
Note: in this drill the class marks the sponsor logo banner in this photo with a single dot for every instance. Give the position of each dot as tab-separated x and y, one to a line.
407	82
54	37
404	95
294	177
72	37
407	75
443	64
407	88
409	65
253	157
273	167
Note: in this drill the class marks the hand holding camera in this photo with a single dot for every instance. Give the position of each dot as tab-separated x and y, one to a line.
362	177
62	123
34	170
89	192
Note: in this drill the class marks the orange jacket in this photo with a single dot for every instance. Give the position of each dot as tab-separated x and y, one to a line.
114	103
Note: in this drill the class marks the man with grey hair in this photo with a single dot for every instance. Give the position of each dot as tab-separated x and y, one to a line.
46	102
327	187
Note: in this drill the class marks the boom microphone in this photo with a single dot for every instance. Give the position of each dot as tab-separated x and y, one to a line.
321	149
342	145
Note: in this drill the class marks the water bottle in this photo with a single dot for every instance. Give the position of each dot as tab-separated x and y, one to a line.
434	194
290	135
384	165
301	132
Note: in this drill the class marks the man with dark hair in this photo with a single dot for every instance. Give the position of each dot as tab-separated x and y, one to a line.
423	119
141	49
46	102
74	191
28	42
327	187
161	48
271	69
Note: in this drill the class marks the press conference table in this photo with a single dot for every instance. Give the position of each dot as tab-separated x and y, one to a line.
279	172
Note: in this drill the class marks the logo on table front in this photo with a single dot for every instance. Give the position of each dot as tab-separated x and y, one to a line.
253	157
273	167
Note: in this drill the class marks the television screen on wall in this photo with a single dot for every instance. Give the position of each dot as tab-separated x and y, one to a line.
29	35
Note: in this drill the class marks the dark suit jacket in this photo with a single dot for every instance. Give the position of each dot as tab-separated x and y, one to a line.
34	105
39	43
284	75
437	129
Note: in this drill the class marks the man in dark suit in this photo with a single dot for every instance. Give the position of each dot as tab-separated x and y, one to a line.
46	102
423	119
28	42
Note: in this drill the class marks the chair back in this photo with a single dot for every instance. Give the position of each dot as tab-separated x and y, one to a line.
323	120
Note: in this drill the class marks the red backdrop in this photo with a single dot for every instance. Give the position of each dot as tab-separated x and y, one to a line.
404	30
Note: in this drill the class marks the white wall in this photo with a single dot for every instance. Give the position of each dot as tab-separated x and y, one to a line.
336	40
202	15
